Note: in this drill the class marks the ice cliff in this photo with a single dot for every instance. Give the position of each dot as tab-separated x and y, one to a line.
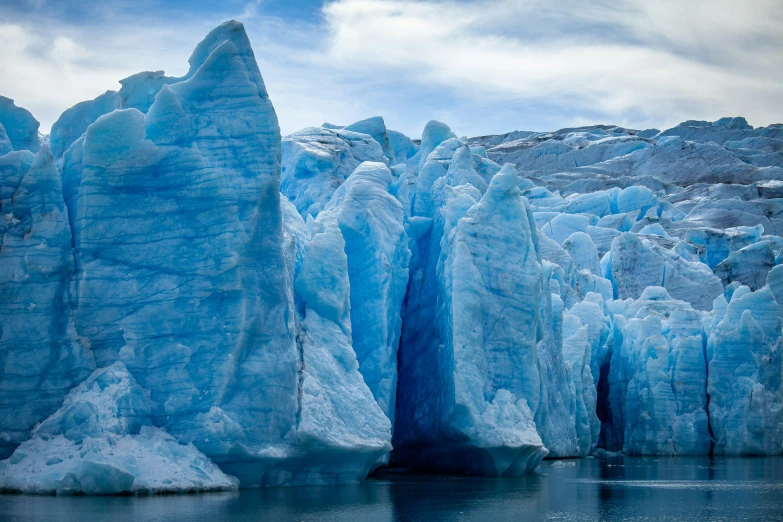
161	245
190	301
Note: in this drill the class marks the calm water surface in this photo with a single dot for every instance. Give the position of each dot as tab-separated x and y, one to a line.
588	489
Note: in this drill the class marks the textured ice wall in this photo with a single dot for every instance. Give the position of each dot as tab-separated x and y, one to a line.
476	415
576	353
340	429
316	161
376	246
745	371
674	209
180	268
658	378
41	355
556	415
183	270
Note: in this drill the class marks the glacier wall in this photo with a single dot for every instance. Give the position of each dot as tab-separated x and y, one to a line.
190	301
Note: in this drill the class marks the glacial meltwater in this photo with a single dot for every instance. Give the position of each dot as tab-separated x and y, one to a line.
581	489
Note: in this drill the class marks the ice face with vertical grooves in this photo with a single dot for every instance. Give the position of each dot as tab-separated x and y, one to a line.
41	355
665	401
180	267
577	356
339	423
744	353
555	417
376	246
481	419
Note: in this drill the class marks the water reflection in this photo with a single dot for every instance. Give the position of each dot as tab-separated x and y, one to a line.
587	489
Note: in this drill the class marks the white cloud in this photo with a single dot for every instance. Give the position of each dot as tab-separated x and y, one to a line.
482	66
47	71
643	61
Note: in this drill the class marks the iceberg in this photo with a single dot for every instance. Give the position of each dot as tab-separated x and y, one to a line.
183	269
180	271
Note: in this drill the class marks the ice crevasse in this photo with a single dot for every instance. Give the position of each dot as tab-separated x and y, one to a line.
190	301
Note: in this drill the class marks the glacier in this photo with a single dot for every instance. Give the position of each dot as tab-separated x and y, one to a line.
190	301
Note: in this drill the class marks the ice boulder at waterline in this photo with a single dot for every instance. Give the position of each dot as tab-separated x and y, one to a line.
102	441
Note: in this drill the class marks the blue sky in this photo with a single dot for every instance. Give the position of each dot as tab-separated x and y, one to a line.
481	66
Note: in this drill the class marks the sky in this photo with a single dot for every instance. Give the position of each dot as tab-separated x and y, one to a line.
481	66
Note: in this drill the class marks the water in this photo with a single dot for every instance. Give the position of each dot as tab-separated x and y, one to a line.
588	489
